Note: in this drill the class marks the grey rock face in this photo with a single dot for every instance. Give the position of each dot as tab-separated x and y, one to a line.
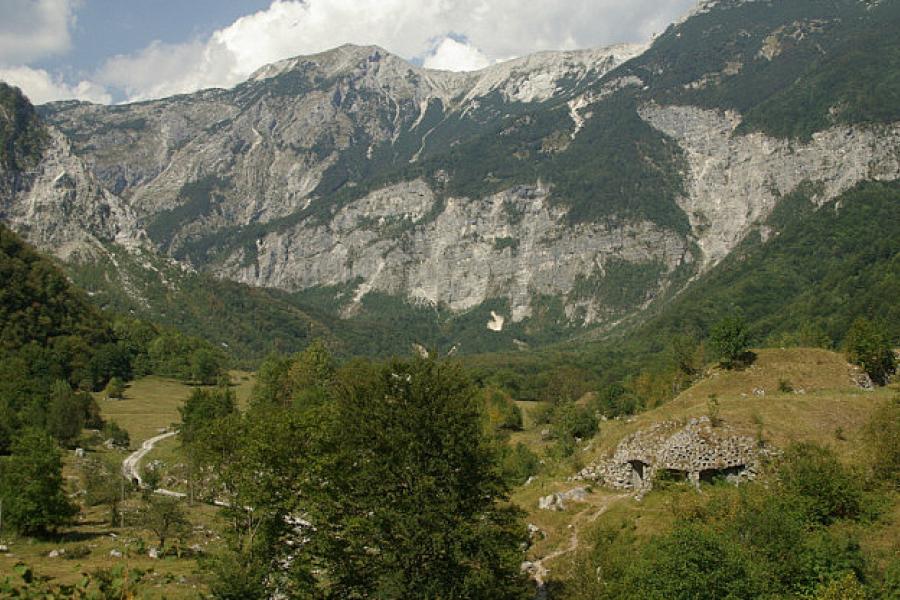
63	208
271	147
558	500
512	245
273	137
735	181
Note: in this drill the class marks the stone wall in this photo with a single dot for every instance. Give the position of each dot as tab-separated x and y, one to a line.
696	450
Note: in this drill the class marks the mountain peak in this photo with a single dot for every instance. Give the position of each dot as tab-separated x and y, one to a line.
347	57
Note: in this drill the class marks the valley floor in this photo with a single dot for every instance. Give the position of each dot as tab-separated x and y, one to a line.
824	406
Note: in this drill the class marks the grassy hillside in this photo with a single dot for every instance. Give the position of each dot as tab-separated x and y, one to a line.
148	405
825	408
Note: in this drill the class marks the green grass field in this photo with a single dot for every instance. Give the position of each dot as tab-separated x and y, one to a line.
150	404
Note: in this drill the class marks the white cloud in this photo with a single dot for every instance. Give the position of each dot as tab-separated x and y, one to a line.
492	30
451	55
34	29
40	86
166	69
443	34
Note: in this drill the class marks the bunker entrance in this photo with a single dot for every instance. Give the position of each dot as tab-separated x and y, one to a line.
639	468
717	475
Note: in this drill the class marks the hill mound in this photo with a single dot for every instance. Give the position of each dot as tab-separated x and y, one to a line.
797	395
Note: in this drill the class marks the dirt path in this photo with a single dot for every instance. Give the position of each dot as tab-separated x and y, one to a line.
539	570
131	466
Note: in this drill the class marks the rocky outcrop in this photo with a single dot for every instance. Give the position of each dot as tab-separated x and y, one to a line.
734	181
399	241
559	500
694	451
239	173
61	207
273	138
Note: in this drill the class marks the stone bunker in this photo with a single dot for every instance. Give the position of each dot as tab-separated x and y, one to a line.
670	450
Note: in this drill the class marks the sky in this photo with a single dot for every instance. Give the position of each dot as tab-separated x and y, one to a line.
113	51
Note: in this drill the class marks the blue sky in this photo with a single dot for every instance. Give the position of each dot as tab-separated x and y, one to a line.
125	50
105	28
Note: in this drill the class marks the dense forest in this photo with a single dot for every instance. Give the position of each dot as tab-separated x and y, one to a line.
56	347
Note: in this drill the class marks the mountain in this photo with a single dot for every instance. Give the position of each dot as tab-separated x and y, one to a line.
521	204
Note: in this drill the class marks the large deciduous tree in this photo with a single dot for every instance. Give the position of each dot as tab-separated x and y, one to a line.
412	502
31	485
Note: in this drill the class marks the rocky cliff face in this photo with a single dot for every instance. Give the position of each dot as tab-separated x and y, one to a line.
458	254
735	181
60	205
272	139
600	178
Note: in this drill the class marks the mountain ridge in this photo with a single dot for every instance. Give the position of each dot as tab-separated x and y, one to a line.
567	189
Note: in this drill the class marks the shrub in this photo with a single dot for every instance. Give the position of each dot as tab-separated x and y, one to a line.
847	587
570	422
729	340
118	436
518	463
822	486
694	562
502	412
869	348
883	436
115	388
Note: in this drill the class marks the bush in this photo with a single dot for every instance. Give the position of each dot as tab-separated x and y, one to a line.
502	412
729	340
847	587
119	437
869	348
824	489
518	463
616	401
695	563
115	388
202	408
571	422
883	436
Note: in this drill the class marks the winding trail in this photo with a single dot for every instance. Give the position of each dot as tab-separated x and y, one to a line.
132	463
539	571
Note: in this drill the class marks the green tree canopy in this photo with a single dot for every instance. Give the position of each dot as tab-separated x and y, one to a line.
413	502
868	347
202	408
31	485
729	340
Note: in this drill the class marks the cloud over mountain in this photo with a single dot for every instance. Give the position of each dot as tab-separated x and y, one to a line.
445	34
